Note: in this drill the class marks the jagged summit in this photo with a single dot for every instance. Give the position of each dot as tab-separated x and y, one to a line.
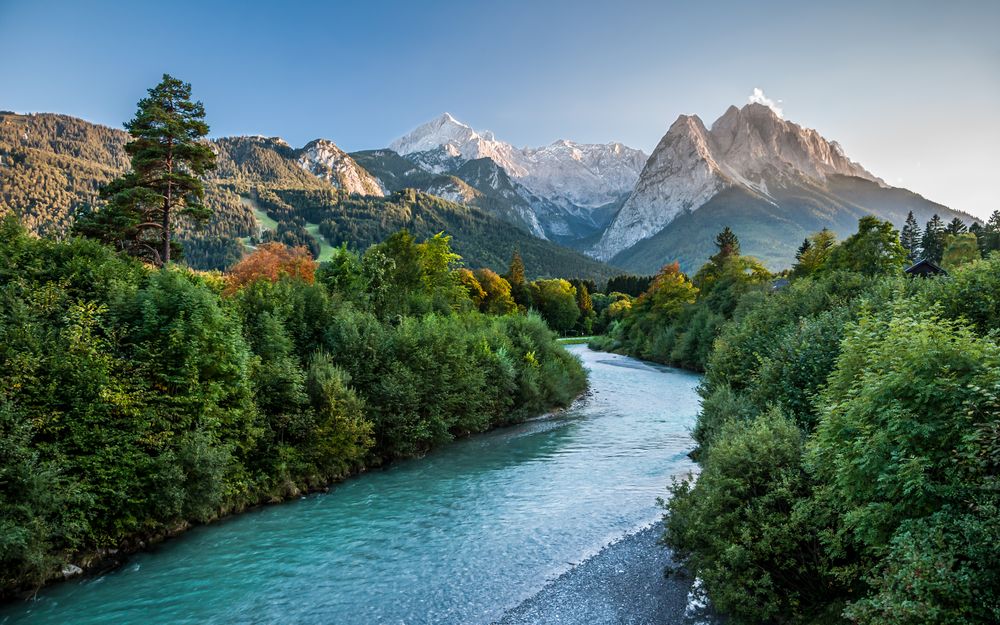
750	147
325	160
563	181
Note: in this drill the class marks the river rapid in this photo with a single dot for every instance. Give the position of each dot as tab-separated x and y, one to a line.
458	537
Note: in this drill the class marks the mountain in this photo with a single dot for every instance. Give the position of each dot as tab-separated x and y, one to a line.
771	180
482	239
479	182
52	166
571	188
325	160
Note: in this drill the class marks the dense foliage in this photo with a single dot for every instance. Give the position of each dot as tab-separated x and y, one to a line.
136	400
848	438
676	318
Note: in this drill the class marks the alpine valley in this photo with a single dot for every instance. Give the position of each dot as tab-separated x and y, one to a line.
590	210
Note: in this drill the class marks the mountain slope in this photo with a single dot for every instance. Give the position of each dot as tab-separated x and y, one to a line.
568	186
325	160
51	167
770	180
482	239
479	182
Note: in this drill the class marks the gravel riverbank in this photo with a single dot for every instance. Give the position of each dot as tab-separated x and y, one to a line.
622	585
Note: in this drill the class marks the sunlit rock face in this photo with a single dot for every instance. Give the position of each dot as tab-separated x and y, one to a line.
750	147
566	185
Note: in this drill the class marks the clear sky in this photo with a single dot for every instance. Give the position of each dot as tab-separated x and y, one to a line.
911	89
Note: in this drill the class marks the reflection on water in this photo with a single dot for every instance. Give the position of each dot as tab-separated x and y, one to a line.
455	537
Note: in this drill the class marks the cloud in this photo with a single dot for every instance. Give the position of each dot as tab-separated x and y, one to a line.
758	97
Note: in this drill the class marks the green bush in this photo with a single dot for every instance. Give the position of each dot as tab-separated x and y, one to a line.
135	400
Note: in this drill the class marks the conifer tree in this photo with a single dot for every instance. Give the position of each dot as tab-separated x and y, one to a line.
909	237
956	226
803	249
515	274
990	238
168	160
518	287
728	243
932	241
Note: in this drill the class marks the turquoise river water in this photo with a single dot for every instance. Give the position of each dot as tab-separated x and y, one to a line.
457	537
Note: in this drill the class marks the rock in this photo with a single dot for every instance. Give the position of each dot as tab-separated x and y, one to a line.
71	570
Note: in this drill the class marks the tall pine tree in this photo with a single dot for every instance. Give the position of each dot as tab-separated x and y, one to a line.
990	239
168	160
803	249
909	237
515	274
518	287
728	243
932	241
956	226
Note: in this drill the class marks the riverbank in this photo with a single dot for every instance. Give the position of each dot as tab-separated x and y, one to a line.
98	562
623	584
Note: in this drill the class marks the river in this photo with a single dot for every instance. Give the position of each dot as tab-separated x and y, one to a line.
458	537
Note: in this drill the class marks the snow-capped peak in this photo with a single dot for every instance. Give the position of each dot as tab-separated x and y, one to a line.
565	172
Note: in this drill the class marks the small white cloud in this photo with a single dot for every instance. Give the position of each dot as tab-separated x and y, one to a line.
758	97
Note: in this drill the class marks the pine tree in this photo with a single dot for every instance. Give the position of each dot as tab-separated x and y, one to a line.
990	240
803	249
519	289
728	243
909	237
515	274
932	241
977	229
168	159
956	226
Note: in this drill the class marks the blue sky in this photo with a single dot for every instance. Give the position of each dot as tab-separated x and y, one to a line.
911	89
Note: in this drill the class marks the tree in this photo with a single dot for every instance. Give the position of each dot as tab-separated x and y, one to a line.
728	243
873	250
515	277
586	305
956	226
668	294
497	298
932	242
991	234
468	280
168	159
959	249
515	274
909	237
803	249
270	262
556	301
811	260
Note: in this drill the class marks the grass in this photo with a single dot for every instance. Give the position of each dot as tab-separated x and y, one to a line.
325	249
266	222
575	340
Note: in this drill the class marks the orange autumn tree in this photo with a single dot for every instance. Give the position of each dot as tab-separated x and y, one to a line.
271	261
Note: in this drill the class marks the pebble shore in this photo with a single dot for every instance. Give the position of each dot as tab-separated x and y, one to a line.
623	584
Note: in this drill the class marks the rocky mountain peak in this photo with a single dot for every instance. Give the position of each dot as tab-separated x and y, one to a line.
578	177
325	160
750	147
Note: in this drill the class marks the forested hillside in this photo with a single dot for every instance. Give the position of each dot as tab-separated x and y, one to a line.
54	165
